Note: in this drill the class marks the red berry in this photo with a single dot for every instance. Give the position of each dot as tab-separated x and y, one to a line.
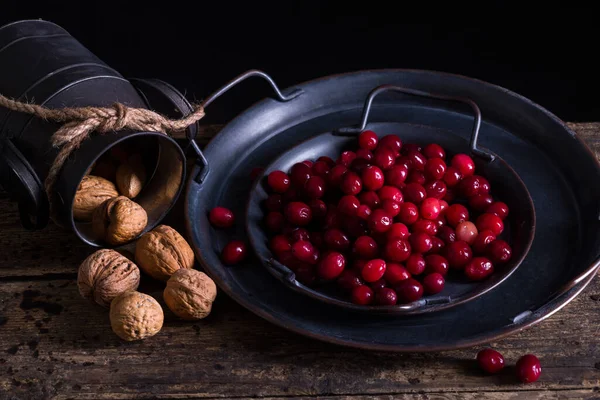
300	173
318	208
391	207
484	185
321	168
466	231
457	213
458	254
480	202
363	212
499	208
409	213
279	244
364	154
368	140
528	368
386	297
443	205
349	279
274	221
447	234
408	147
396	175
279	181
331	266
479	268
221	217
370	199
415	193
392	142
295	234
327	160
436	189
420	242
336	175
303	250
417	160
409	290
336	240
434	150
415	176
483	239
499	251
437	245
452	176
433	283
373	270
380	221
490	361
274	202
290	195
315	187
378	284
397	250
351	183
308	163
359	165
390	193
415	264
384	158
365	247
398	230
403	161
395	273
234	252
430	208
346	158
298	213
425	226
435	168
372	178
469	186
348	205
362	295
464	164
490	222
436	263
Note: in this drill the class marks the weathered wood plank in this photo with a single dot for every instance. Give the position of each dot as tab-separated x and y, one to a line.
22	251
53	344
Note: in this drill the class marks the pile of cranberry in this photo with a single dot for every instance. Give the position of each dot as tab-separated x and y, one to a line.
386	222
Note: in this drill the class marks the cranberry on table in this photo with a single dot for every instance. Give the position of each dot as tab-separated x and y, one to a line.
489	221
300	173
436	263
452	176
395	273
372	178
409	213
331	265
420	242
351	183
386	297
499	208
336	240
409	290
370	199
447	234
390	207
433	283
435	168
346	158
221	217
274	202
480	202
363	212
391	142
348	204
396	175
397	249
365	247
415	193
274	221
457	213
349	279
415	264
479	268
298	213
458	254
499	251
464	164
430	208
483	239
390	193
434	150
528	368
234	252
362	295
436	189
368	140
373	270
490	360
380	221
398	230
279	181
303	250
466	231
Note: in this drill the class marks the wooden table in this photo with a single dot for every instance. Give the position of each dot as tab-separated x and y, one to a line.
55	345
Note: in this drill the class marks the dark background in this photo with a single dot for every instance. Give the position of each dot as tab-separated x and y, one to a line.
199	46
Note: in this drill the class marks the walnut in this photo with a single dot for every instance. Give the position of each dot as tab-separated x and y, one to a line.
131	177
119	220
190	294
105	274
92	191
135	316
162	251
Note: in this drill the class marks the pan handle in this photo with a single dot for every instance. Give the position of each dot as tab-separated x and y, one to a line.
388	87
248	74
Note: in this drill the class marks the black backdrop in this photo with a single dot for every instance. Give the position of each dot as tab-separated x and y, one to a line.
198	46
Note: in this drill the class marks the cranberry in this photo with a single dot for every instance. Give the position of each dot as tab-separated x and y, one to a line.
434	150
469	186
364	154
398	230
274	221
436	189
355	227
395	273
274	202
449	196
430	208
349	279
404	161
372	178
359	165
425	226
348	204
315	187
295	234
384	158
346	158
433	283
336	175
386	297
415	264
409	213
499	208
484	185
279	181
365	247
397	249
370	199
443	205
308	163
464	164
373	270
436	263
415	193
331	266
499	251
327	160
351	183
528	368
290	195
317	238
378	284
479	268
390	207
300	173
303	250
336	240
452	176
492	222
480	202
440	220
457	213
420	242
483	239
415	176
363	212
380	221
458	254
221	217
234	252
321	169
390	193
362	295
358	265
417	159
279	244
392	142
408	147
435	168
437	245
368	140
409	290
490	360
447	234
466	231
396	175
298	213
318	208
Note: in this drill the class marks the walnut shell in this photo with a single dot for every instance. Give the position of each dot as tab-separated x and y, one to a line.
190	294
131	177
92	191
162	251
105	274
119	220
135	316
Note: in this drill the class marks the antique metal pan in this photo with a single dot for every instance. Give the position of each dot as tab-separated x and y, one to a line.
560	173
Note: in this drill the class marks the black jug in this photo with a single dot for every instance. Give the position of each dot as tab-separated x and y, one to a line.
42	63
